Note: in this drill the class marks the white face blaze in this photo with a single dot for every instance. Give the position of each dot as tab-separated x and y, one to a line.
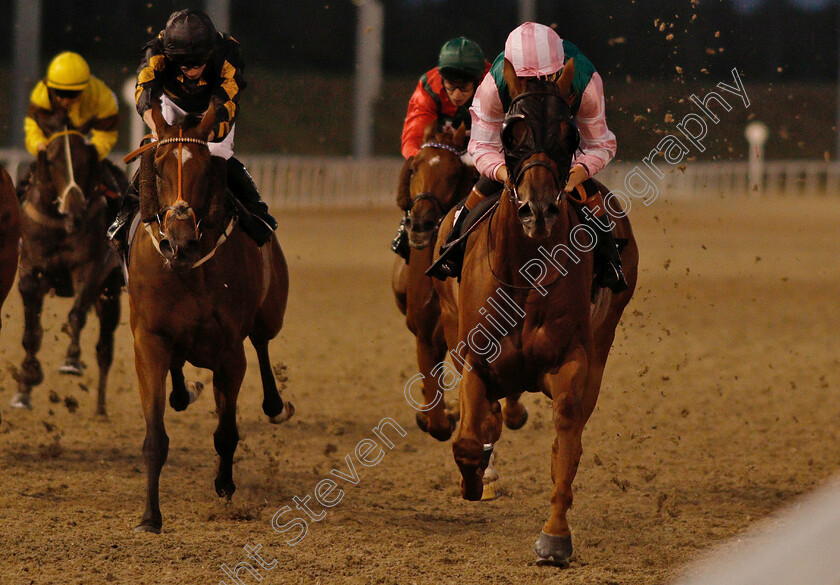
434	160
185	154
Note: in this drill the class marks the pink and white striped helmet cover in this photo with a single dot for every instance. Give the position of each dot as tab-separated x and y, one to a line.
534	50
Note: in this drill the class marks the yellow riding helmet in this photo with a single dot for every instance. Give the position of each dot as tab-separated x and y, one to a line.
68	71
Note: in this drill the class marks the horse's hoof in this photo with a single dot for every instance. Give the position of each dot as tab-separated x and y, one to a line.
285	414
445	433
147	528
472	488
515	424
553	551
194	390
490	491
224	489
422	422
21	400
453	409
71	367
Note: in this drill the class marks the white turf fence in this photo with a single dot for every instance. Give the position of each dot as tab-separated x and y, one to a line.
289	182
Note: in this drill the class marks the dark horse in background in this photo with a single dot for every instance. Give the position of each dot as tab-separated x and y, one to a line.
198	287
9	235
430	184
555	334
64	249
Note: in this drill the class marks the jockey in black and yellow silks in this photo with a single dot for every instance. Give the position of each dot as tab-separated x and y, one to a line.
85	100
185	69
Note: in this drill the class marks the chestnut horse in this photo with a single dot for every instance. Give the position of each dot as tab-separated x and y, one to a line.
64	249
430	184
525	313
198	286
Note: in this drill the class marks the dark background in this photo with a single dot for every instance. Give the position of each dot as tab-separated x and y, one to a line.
300	57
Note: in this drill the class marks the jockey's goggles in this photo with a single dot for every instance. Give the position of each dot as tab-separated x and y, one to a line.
462	86
69	94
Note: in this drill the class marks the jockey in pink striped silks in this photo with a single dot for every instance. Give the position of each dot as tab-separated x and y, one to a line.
535	50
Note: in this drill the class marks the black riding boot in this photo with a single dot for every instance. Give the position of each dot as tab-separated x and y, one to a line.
608	273
399	245
118	232
451	257
261	225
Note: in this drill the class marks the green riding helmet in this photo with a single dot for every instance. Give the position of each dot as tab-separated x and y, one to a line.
461	60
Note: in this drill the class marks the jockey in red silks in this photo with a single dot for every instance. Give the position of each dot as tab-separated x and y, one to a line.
535	50
443	94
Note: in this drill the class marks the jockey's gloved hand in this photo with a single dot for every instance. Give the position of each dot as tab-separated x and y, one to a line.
577	175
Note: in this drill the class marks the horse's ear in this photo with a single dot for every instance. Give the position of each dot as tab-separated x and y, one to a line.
404	186
460	134
564	82
515	85
208	121
429	131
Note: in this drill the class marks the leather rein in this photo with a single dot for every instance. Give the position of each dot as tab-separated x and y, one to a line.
39	216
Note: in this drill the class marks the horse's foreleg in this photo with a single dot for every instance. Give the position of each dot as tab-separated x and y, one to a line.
273	406
567	388
480	424
108	312
151	359
436	420
227	380
32	290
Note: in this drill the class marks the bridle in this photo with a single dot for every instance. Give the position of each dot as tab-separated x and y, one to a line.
517	171
181	205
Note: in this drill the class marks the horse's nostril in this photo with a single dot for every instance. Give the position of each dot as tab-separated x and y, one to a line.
408	223
525	212
428	226
167	249
552	212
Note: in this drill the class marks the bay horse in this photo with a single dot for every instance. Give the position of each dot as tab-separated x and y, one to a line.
530	326
430	184
198	286
9	235
64	249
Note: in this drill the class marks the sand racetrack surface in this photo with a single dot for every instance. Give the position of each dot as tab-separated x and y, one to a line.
719	405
